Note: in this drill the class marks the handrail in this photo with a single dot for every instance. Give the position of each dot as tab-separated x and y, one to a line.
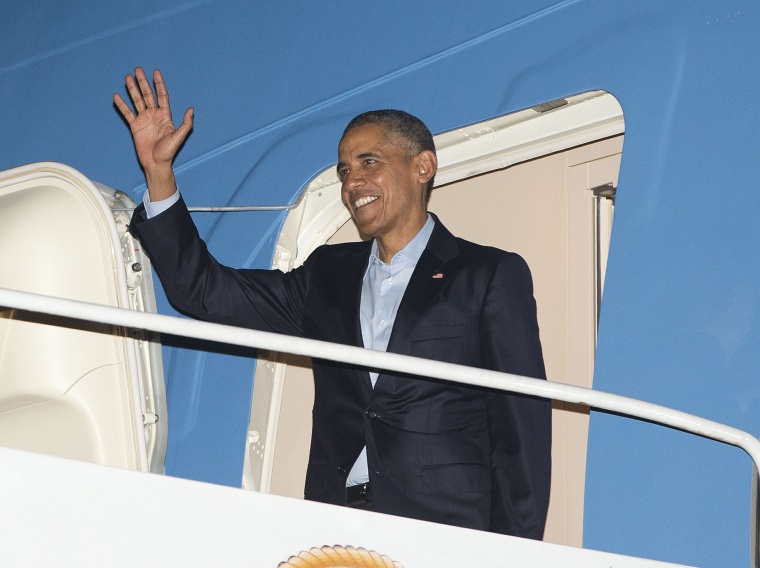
389	361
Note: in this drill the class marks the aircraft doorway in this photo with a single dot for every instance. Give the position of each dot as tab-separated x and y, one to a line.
527	183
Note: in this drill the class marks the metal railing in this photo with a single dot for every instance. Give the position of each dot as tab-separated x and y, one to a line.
400	363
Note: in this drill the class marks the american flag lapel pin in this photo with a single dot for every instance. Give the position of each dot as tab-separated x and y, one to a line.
438	275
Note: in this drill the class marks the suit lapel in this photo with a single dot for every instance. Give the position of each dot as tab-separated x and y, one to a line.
425	286
349	282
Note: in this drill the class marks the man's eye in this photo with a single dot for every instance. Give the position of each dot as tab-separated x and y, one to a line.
343	172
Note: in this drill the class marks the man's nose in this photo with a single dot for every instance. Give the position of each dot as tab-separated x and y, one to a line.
352	180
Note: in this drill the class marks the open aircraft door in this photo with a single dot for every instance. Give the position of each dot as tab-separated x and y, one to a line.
72	388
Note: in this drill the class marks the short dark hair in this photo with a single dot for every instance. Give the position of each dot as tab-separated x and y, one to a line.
408	131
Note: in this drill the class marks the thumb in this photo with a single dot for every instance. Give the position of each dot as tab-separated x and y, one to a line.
186	126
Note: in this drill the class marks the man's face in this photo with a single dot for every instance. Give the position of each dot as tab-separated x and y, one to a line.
381	184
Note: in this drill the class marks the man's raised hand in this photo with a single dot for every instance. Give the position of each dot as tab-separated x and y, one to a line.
156	140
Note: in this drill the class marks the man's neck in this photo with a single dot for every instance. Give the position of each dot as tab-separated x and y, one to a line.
389	245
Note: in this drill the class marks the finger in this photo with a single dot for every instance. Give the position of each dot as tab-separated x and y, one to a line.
161	92
186	126
124	109
134	93
145	88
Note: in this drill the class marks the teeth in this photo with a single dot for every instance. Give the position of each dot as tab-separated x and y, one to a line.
363	201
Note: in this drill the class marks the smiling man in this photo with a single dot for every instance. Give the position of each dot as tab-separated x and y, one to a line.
391	443
386	163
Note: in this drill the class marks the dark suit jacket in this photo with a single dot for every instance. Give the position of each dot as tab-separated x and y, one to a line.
436	451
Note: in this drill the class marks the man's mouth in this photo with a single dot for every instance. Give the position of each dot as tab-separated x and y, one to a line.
363	201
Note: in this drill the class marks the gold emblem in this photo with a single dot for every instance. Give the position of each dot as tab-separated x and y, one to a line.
339	557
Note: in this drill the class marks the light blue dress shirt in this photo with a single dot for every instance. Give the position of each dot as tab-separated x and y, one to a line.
383	287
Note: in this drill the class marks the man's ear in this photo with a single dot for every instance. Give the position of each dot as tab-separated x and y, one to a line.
427	164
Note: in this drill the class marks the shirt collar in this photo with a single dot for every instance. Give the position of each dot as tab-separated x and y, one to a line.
413	249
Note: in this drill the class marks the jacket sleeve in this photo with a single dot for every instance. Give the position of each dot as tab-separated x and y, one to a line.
519	426
199	286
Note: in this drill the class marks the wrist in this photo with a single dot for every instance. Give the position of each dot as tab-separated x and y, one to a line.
161	182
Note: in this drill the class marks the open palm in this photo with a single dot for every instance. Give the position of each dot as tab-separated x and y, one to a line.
156	139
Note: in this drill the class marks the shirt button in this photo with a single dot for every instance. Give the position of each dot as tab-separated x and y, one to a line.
371	414
383	323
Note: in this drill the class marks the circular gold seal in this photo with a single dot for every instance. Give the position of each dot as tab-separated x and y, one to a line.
339	557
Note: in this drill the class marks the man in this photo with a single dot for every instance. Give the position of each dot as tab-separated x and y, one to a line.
421	448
